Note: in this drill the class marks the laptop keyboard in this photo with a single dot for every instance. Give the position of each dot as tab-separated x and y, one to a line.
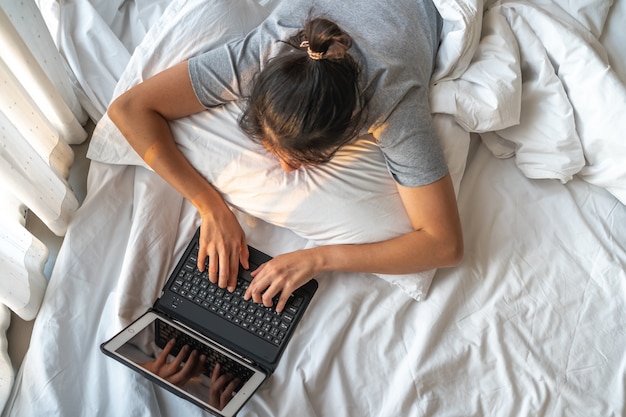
264	322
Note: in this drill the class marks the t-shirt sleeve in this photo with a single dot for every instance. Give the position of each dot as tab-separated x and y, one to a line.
225	74
409	142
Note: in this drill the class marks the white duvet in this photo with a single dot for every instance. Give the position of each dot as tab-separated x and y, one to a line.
538	87
530	324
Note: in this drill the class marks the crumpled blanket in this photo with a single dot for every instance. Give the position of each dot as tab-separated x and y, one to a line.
532	79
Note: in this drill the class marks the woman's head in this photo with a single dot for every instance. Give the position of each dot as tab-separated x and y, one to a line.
306	103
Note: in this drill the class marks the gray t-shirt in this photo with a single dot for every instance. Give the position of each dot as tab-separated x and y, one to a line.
395	44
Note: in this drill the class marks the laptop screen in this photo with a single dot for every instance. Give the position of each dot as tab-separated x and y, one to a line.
185	364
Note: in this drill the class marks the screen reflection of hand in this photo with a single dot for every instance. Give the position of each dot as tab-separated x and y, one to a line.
179	371
221	388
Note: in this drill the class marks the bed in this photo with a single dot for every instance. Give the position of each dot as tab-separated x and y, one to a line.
531	323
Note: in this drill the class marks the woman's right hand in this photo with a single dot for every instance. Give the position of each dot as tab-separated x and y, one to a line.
223	241
142	114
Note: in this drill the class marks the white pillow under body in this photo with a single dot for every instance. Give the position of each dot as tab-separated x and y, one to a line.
350	200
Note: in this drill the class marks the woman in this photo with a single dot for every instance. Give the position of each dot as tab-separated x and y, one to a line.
306	92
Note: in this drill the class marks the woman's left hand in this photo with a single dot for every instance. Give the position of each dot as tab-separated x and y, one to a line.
283	274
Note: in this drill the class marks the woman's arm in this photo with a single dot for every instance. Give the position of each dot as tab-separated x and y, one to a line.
436	241
142	114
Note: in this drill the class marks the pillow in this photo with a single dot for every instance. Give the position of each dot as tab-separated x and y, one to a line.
350	200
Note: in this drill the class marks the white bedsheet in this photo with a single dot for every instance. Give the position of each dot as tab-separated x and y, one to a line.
530	324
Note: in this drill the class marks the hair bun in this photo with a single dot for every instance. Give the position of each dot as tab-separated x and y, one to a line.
324	39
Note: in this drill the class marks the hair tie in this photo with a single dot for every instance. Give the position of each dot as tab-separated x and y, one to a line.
313	55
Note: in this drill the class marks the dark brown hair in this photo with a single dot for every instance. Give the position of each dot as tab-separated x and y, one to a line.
305	107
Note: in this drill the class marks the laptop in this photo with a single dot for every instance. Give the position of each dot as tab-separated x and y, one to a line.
206	344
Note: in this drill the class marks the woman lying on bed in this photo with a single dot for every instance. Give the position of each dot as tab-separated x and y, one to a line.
308	88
